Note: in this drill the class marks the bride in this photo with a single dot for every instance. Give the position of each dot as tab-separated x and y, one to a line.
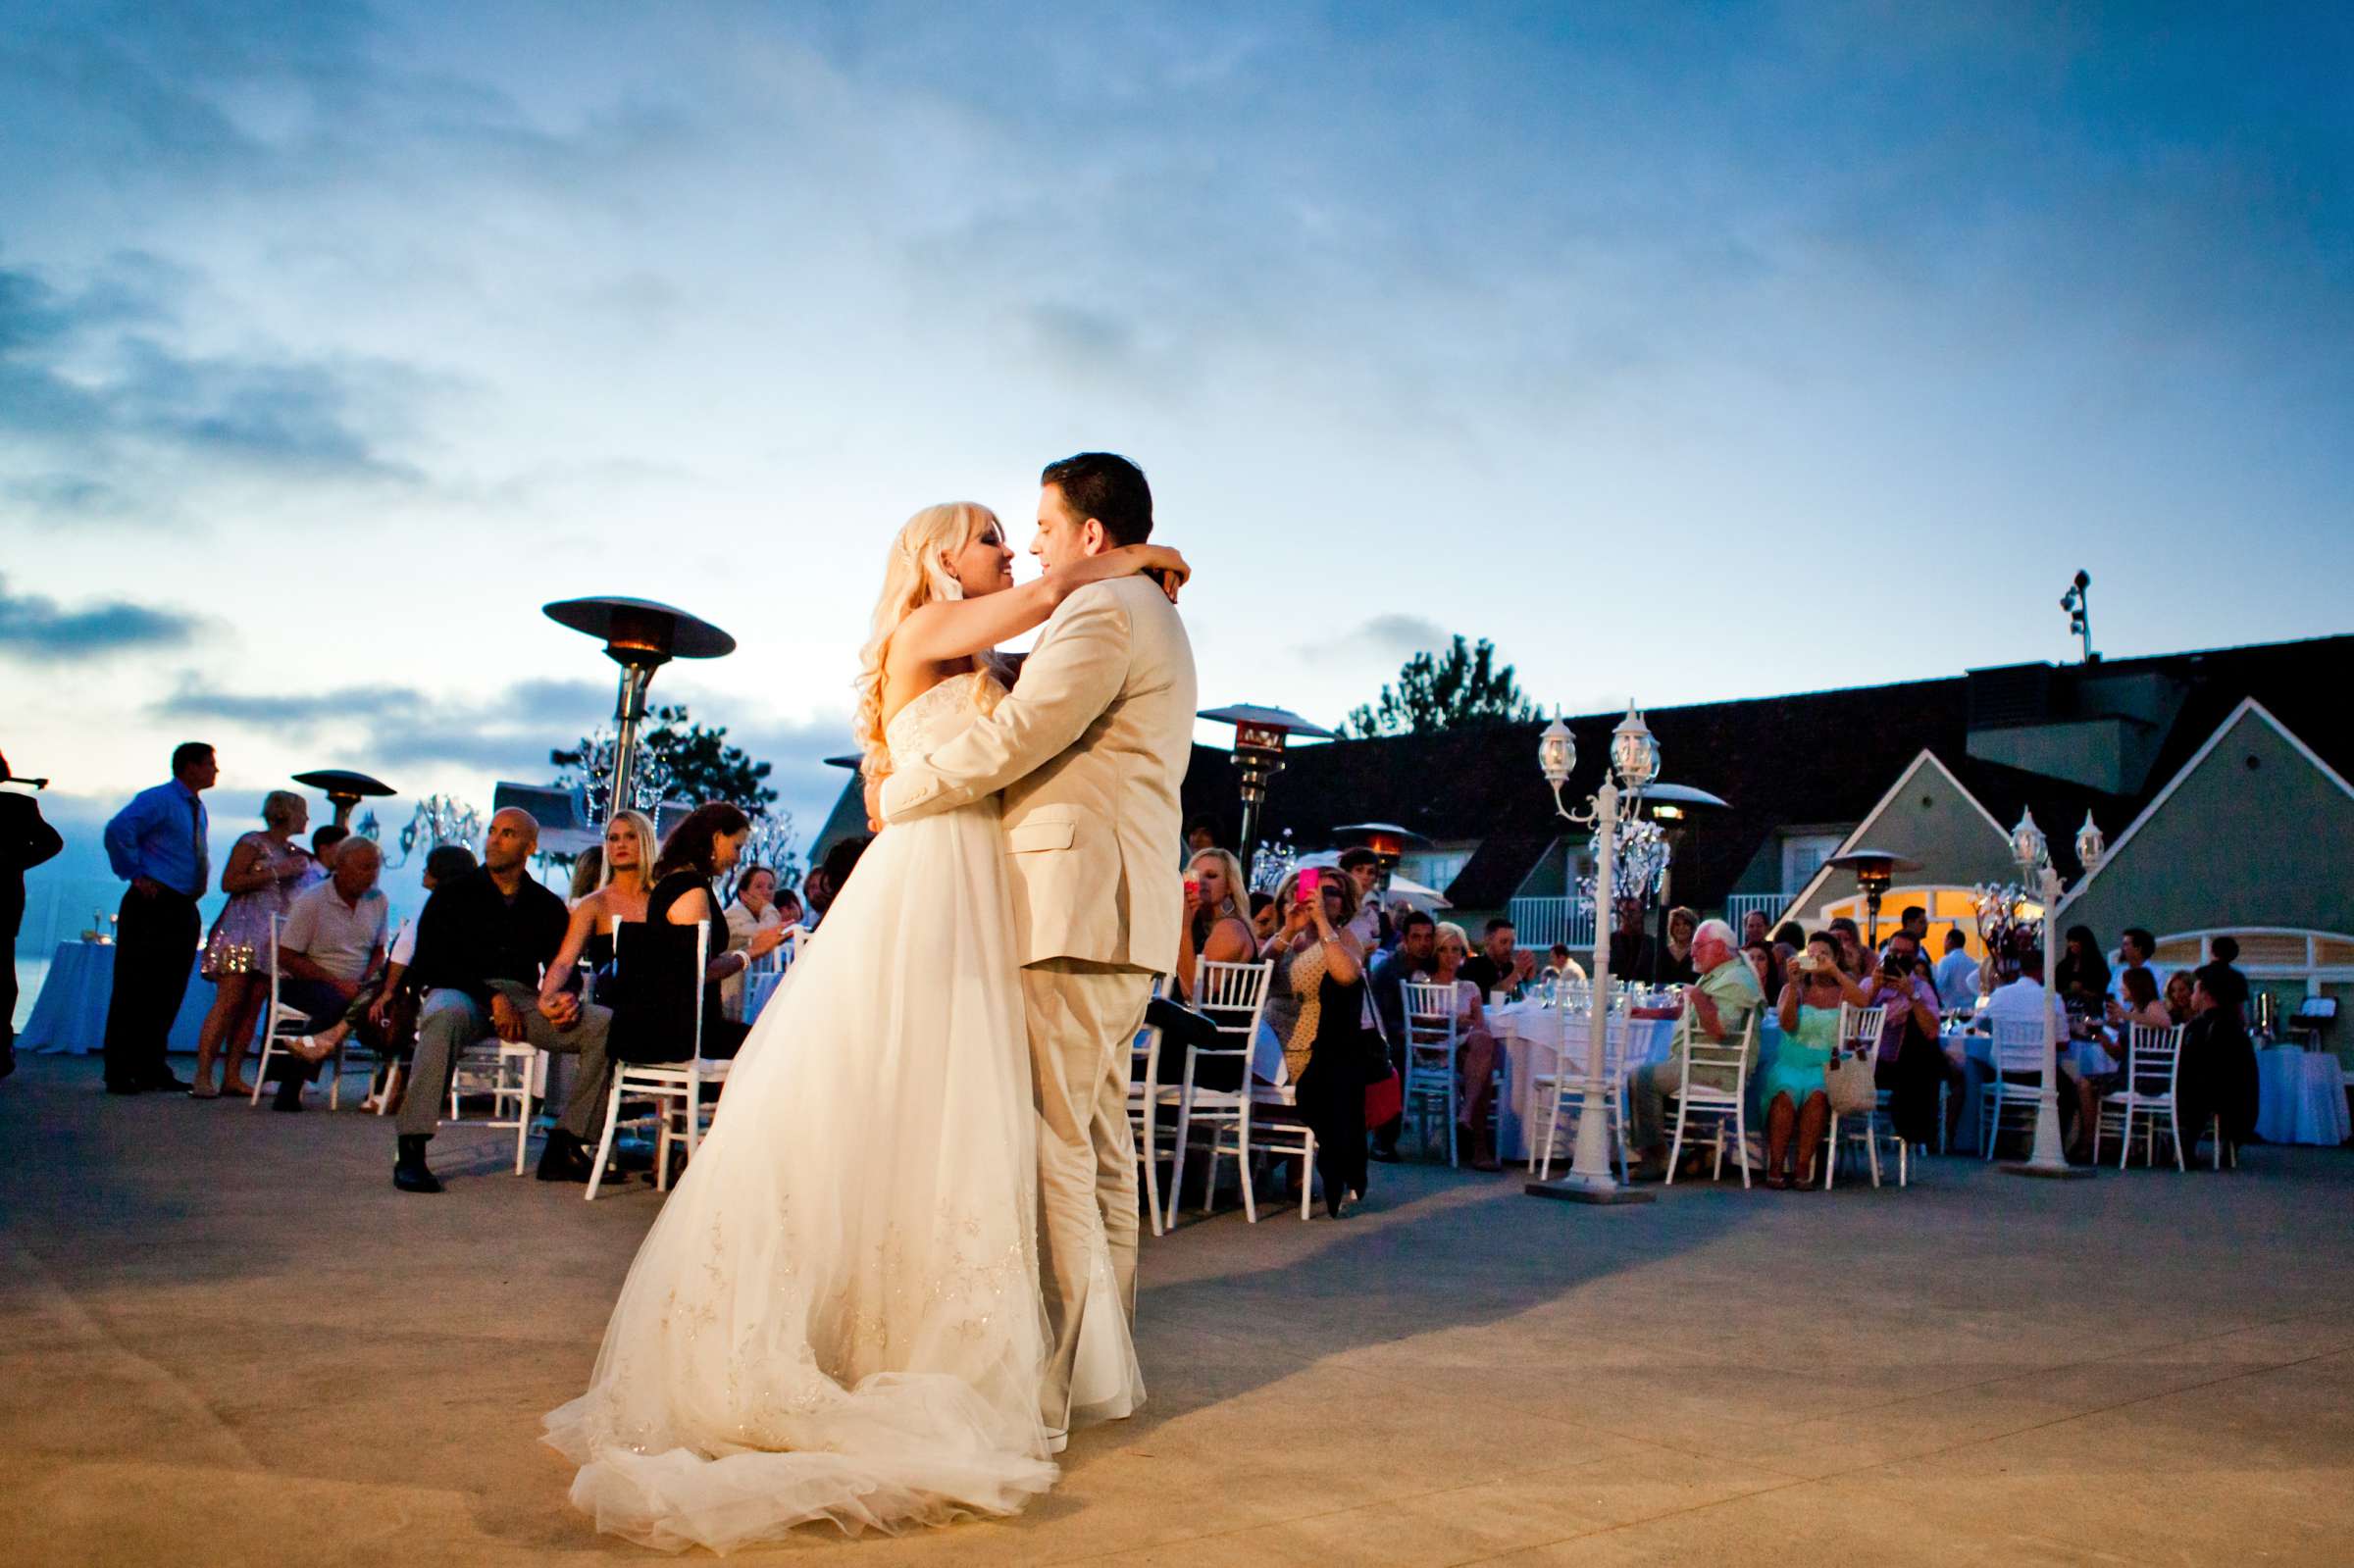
837	1315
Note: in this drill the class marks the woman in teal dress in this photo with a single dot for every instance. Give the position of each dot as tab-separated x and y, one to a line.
1792	1085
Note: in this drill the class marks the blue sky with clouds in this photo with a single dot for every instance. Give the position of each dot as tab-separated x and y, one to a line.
1686	351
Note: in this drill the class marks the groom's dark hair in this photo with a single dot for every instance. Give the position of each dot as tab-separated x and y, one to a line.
1108	489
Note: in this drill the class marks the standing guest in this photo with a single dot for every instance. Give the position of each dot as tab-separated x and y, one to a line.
482	943
704	848
1718	1008
2223	976
1910	1063
627	856
2136	948
1631	955
157	844
1204	832
751	911
1673	965
1215	927
333	944
265	871
2082	974
1499	965
2216	1079
1322	968
1956	975
1753	930
1476	1050
1914	923
26	840
1370	925
1793	1087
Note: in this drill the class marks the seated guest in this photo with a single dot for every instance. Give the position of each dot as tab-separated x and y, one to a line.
2137	948
2082	974
587	873
326	841
1266	916
1911	1064
1793	1090
627	857
2021	999
704	848
816	894
481	944
1564	962
392	1020
1956	975
1372	923
1853	957
753	909
824	884
1673	965
2179	996
2140	1007
1476	1050
789	906
1631	956
329	955
1499	965
1216	929
1760	957
1320	968
1413	959
2216	1080
1204	833
1718	1007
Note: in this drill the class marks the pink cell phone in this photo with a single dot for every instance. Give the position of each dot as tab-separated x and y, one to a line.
1311	882
1193	888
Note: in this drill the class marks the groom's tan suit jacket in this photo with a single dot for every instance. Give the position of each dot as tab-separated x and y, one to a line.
1090	749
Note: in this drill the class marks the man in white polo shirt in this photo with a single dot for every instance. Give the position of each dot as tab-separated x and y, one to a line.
334	941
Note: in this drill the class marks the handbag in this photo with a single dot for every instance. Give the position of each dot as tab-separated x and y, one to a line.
1848	1081
1384	1100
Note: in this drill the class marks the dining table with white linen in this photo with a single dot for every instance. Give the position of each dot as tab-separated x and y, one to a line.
2301	1096
1529	1039
69	1016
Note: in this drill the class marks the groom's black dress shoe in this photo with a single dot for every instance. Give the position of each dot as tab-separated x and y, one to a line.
564	1159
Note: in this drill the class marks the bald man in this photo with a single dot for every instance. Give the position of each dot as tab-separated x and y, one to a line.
482	943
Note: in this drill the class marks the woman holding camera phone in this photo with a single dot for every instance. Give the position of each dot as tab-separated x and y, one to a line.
1325	1051
1792	1085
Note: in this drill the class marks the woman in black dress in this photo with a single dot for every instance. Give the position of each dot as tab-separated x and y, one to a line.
699	850
1328	1051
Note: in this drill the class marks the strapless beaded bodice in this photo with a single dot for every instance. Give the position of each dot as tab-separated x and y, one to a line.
934	719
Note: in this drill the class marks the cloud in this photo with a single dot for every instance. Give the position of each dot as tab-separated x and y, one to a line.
511	731
36	628
1392	638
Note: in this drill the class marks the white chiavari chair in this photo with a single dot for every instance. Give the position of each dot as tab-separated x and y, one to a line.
1724	1107
1860	1036
2153	1068
1234	997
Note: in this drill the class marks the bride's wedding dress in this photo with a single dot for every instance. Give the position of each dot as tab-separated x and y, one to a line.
837	1315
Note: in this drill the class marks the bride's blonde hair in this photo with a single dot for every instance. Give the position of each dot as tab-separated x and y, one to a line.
915	576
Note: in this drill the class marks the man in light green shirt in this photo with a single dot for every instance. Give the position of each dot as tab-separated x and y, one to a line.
1717	1008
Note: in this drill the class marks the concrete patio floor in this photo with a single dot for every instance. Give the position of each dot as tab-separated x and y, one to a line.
230	1341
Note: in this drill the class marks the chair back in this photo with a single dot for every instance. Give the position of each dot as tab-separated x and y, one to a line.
2019	1046
1233	995
659	1016
1430	1015
1729	1055
2153	1057
1862	1029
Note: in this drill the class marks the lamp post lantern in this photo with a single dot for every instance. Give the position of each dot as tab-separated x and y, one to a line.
641	637
1634	763
2033	854
1259	736
2091	848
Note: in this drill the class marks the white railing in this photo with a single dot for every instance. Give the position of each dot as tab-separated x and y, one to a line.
1738	905
1542	922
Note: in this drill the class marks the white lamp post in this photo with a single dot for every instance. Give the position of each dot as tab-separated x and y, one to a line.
1635	762
2033	854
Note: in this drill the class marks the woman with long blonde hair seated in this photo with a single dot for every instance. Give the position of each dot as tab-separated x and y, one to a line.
837	1315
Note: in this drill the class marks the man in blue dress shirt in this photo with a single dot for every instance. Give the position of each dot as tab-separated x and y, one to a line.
157	844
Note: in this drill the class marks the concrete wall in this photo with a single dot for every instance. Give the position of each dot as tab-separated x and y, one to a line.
2235	845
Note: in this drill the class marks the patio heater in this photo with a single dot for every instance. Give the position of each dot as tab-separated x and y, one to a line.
1634	764
641	637
2028	848
1672	807
343	789
1260	736
1875	870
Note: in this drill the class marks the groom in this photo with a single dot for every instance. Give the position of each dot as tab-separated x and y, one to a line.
1090	749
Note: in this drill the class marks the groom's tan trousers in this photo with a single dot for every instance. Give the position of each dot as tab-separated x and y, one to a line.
1083	1017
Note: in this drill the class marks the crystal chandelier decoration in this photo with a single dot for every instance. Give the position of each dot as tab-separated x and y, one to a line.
1643	859
440	819
2004	924
1271	863
649	784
